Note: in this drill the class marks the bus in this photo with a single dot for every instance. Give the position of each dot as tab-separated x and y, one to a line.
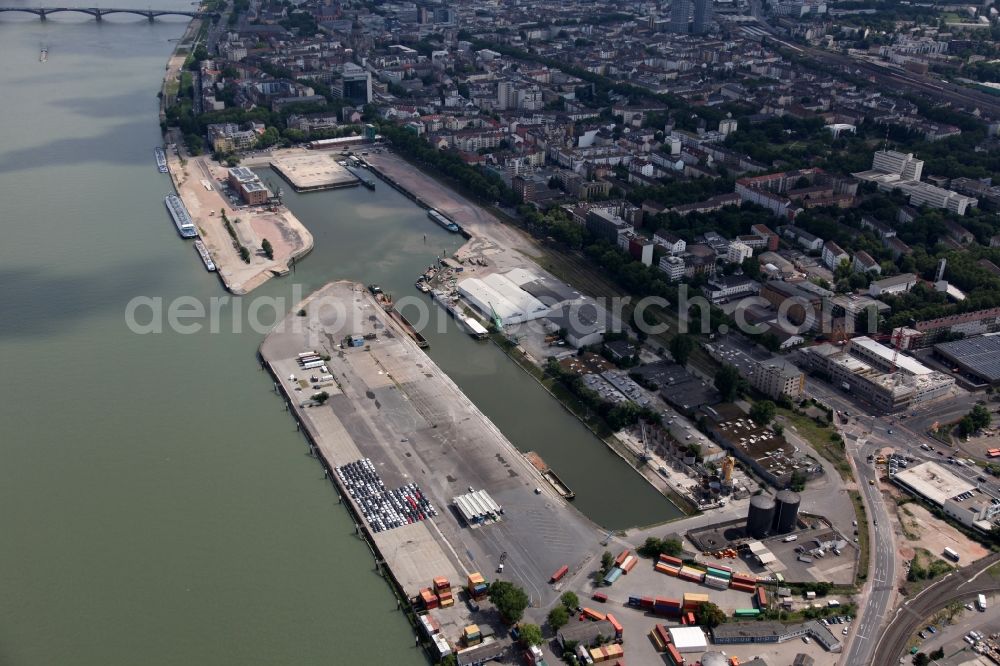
951	554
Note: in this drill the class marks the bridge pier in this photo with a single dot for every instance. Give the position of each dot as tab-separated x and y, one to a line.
98	16
150	17
41	14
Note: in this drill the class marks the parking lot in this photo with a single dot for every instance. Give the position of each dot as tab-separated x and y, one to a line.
383	509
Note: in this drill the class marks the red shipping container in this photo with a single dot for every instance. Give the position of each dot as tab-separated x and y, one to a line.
667	559
647	602
614	623
621	557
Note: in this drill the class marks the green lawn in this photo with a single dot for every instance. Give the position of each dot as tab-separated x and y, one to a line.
819	438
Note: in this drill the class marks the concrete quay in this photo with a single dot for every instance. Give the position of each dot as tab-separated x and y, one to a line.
198	181
312	171
392	404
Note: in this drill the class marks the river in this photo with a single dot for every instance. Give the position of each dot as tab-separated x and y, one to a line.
158	505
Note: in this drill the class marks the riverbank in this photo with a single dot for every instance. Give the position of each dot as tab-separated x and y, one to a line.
199	181
504	248
388	402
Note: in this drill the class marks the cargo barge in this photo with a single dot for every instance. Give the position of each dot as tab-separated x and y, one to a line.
365	179
182	219
206	258
551	477
408	327
468	324
443	221
161	159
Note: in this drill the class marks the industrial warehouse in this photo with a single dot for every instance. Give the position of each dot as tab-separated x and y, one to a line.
957	497
977	359
477	507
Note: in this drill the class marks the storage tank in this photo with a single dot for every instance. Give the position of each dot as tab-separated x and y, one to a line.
761	516
786	511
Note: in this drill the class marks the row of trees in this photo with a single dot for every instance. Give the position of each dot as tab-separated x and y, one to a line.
447	163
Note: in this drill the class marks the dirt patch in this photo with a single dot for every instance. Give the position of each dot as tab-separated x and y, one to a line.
935	534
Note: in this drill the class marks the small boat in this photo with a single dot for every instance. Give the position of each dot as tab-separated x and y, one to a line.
44	55
206	258
161	159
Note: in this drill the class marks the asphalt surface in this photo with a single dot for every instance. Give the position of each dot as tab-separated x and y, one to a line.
960	585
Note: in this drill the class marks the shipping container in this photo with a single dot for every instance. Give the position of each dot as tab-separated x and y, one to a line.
612	575
629	563
667	559
647	602
593	614
560	572
666	569
635	601
719	573
717	583
660	637
673	656
690	618
761	598
616	625
695	598
441	583
431	626
598	655
428	598
742	588
621	557
603	598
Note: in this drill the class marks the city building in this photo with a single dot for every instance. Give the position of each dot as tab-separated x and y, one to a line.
957	497
673	267
892	170
703	15
248	185
680	16
890	286
732	633
724	288
930	331
833	255
769	455
891	382
738	252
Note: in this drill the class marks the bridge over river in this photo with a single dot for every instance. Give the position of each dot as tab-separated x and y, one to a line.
99	12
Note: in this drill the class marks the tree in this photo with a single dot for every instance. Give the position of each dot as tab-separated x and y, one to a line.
921	659
570	600
509	599
558	617
727	381
267	248
778	429
710	615
937	654
531	634
681	347
321	397
762	412
607	561
980	417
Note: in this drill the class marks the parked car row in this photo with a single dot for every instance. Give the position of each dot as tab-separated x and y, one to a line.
383	509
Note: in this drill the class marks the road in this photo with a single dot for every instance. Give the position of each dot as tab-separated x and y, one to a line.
960	585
